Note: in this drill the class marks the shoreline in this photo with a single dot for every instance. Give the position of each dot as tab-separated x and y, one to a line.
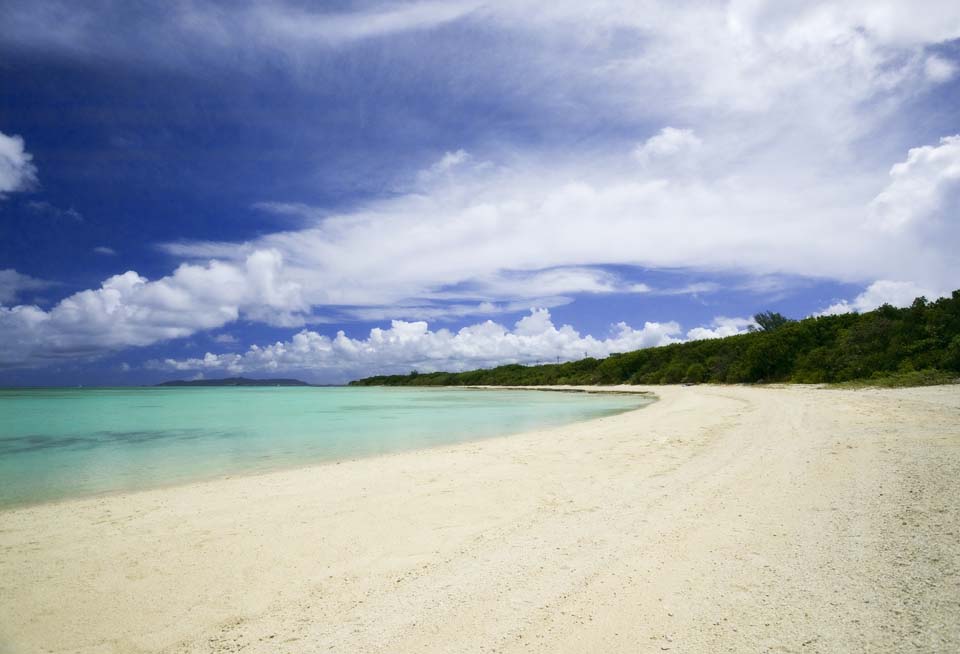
719	517
321	463
588	390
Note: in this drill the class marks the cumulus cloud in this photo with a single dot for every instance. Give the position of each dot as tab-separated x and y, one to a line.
13	284
413	345
17	172
924	187
129	310
721	327
898	294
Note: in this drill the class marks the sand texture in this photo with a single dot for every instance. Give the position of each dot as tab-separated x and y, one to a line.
719	519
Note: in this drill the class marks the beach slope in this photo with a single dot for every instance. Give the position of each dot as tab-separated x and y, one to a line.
793	519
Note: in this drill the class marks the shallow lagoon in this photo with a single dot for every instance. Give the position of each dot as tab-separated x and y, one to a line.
57	443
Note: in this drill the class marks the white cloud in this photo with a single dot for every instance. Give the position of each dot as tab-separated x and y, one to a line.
898	294
284	25
12	285
552	282
105	251
533	229
923	187
408	345
17	172
817	75
80	30
669	150
294	209
694	288
441	311
938	69
128	310
824	69
448	162
729	55
489	241
722	327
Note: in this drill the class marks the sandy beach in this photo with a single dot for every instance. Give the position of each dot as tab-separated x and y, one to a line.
719	519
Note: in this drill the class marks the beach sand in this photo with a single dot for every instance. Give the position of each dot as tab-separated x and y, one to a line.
741	519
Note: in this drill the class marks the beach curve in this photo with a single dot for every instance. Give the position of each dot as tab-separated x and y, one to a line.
720	518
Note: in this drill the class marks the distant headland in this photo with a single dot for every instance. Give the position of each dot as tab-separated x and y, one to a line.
235	381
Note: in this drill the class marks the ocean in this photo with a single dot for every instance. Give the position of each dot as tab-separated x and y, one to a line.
58	443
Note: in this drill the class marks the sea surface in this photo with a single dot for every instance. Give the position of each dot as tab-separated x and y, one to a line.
58	443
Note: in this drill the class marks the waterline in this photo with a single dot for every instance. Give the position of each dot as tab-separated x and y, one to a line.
60	443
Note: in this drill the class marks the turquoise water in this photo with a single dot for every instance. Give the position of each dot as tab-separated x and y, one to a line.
59	443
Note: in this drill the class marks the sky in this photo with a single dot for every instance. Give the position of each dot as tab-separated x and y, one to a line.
333	190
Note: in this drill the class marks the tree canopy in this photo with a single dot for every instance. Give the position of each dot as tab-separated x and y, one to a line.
769	321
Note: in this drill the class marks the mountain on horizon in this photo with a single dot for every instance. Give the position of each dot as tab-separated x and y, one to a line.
234	381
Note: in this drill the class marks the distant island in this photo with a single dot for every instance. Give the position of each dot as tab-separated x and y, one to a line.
912	346
235	381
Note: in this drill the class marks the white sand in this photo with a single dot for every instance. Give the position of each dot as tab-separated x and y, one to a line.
718	519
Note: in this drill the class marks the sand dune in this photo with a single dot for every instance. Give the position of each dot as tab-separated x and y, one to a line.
718	519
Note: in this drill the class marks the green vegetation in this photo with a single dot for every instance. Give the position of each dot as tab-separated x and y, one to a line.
903	379
889	346
769	321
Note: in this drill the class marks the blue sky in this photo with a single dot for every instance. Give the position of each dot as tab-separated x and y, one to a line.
328	190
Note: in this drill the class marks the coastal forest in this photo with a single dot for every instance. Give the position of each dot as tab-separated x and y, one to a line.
888	346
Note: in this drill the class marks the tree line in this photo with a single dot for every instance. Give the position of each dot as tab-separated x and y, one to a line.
918	342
